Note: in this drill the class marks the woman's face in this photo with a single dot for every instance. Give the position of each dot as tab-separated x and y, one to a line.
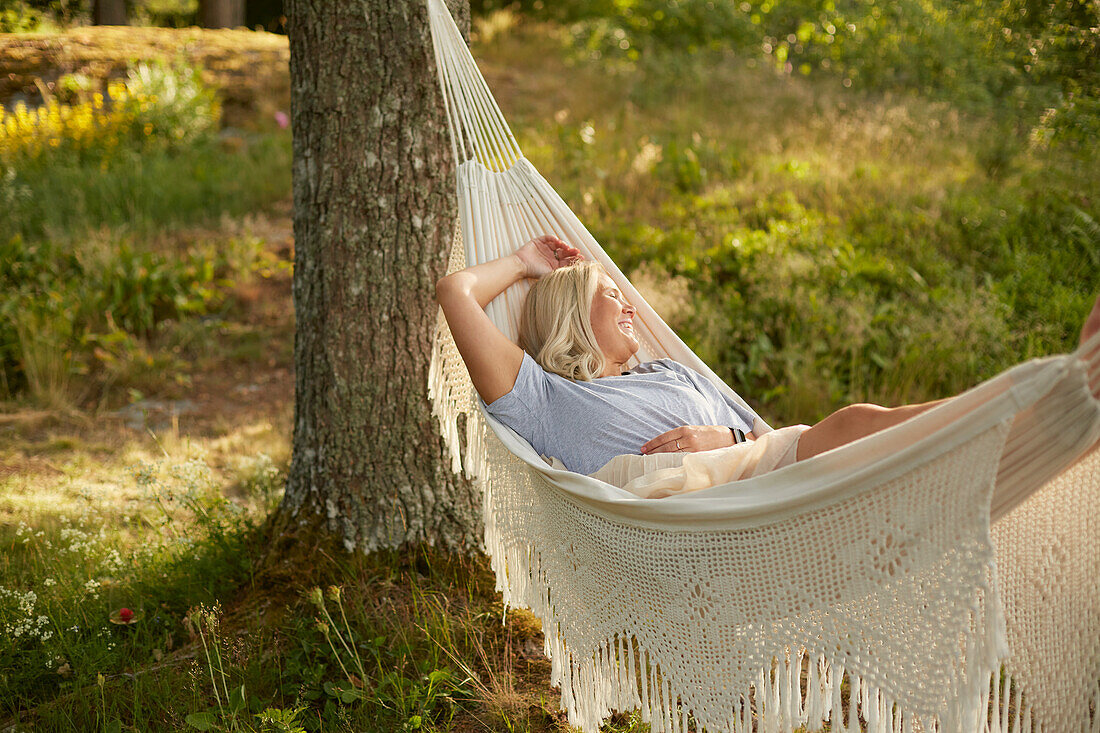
613	325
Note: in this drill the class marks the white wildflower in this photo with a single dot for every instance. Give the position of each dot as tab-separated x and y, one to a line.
112	563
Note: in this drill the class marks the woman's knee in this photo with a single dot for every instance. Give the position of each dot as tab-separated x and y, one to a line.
864	416
843	426
855	420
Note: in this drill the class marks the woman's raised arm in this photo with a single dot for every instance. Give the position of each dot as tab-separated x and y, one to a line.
491	358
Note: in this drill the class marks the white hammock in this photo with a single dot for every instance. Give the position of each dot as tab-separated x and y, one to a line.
749	606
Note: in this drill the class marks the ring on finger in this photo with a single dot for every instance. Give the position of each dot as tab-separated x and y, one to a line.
678	448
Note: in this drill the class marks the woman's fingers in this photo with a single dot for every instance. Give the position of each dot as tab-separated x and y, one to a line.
690	439
565	254
551	251
671	442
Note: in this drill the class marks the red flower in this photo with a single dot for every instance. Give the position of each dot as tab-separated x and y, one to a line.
124	617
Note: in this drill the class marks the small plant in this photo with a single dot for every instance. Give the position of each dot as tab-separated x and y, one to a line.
277	720
231	704
328	628
261	478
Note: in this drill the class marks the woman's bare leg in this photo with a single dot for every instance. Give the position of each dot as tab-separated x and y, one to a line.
852	423
856	421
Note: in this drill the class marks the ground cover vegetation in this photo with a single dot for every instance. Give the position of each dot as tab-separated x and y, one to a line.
92	181
889	215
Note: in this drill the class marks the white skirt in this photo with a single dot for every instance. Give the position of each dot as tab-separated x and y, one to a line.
658	475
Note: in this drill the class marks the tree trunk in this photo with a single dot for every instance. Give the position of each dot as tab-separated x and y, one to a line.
221	13
109	12
374	213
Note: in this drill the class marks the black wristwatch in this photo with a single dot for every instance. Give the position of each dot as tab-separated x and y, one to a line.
738	436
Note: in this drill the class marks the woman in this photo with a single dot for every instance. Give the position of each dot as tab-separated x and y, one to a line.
568	393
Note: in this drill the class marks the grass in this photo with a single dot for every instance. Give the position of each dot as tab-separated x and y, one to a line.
816	243
97	280
170	527
141	194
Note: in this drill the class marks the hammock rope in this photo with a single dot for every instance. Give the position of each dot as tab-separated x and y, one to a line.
940	575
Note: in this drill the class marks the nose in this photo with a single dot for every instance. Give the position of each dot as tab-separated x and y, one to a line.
629	309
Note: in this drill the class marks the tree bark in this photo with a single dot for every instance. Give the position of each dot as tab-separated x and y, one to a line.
374	212
109	12
221	13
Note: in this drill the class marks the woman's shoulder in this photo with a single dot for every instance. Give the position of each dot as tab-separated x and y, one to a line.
658	365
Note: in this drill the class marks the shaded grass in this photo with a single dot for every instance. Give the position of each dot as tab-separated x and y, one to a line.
140	194
434	654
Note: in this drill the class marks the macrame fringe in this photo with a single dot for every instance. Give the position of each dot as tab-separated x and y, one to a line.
802	689
451	392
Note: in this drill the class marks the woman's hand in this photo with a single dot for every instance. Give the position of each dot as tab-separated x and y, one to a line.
691	439
542	255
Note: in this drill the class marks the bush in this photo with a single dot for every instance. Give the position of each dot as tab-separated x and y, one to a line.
990	54
155	107
74	311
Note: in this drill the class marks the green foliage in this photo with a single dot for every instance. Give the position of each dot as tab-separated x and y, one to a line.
820	246
17	16
88	309
147	192
987	53
145	156
156	107
171	104
76	302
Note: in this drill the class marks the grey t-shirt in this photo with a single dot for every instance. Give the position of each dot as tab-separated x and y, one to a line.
586	424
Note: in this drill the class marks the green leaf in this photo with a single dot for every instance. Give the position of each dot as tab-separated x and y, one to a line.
237	699
201	721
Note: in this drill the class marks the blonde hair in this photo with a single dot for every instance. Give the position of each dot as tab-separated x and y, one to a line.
555	327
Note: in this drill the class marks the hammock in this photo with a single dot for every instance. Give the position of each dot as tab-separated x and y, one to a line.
941	575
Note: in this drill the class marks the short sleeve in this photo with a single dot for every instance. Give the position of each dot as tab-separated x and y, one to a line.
520	408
